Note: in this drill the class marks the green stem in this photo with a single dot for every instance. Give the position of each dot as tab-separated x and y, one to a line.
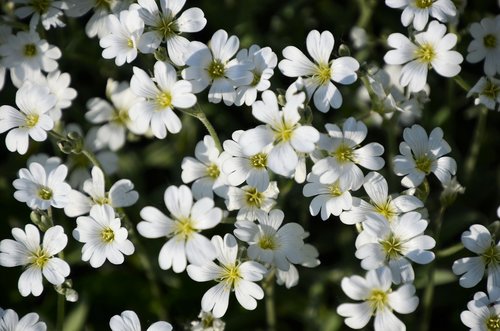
366	7
470	163
61	307
146	264
428	297
450	250
462	83
92	158
200	115
270	306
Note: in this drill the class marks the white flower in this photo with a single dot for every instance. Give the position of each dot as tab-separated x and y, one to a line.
379	300
103	236
394	244
483	311
329	198
282	130
231	275
241	167
48	11
97	24
124	37
185	243
205	170
207	322
121	194
432	48
36	259
421	155
271	243
344	155
487	91
58	84
165	27
320	74
263	61
159	97
250	202
115	115
388	206
418	11
31	120
9	321
479	241
25	53
486	44
214	64
41	188
309	259
128	321
390	96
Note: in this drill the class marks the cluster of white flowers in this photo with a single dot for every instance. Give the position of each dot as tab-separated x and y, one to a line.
246	172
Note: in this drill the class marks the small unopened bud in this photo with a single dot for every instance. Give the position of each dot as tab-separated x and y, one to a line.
65	146
344	50
66	289
161	54
450	191
41	219
281	97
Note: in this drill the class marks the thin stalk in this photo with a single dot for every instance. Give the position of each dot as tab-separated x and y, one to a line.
270	304
450	250
462	83
200	115
146	264
61	308
471	161
428	297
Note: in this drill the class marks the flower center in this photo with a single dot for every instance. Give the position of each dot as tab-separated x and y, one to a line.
184	227
121	117
392	247
41	6
167	27
267	242
163	100
44	193
343	154
377	299
283	133
216	69
386	210
491	255
40	258
256	79
130	43
101	200
322	73
493	323
253	197
259	161
490	90
30	50
213	171
425	53
230	275
105	4
423	3
335	190
490	41
31	120
107	235
424	164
